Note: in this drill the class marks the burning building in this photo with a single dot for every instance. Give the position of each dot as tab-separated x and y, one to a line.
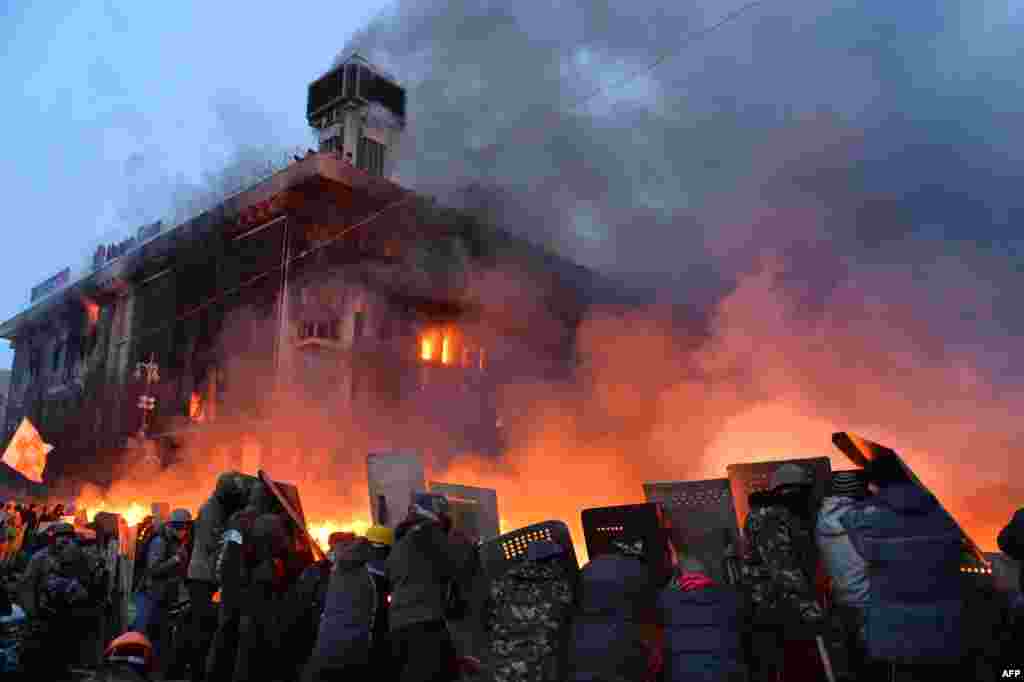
326	284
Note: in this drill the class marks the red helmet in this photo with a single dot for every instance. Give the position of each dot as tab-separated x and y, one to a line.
131	647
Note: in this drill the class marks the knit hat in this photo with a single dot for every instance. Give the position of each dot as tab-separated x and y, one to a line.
789	474
848	484
543	549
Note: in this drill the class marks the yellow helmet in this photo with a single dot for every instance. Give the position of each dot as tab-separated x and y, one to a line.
380	535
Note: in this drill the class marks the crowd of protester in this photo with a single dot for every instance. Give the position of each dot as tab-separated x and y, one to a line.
865	584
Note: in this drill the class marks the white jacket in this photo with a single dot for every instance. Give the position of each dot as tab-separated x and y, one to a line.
847	568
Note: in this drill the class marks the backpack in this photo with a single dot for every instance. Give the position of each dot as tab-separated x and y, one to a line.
530	605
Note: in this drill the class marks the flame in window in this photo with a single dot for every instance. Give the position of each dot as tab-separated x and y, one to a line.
426	349
195	407
446	349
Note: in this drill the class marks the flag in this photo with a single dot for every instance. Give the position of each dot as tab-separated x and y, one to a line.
27	452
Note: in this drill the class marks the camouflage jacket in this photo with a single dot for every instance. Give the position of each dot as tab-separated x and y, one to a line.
53	584
527	619
777	567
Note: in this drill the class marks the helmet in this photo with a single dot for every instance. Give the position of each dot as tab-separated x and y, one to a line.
131	647
380	535
61	528
341	538
179	517
790	474
430	503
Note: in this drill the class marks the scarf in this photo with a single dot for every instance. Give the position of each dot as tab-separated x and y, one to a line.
691	582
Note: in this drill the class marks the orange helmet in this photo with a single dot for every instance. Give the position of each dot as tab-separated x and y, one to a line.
131	647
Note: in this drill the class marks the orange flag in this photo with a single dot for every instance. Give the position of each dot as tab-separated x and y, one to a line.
27	452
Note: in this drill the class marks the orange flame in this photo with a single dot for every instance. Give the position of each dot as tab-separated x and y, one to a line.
133	512
446	350
427	349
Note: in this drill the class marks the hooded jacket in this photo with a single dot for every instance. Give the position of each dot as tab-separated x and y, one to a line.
702	629
606	640
913	550
349	610
163	566
229	495
421	568
846	567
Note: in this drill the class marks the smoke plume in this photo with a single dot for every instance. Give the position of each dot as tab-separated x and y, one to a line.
831	188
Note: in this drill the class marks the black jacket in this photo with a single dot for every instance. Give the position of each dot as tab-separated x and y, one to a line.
421	568
1011	541
616	598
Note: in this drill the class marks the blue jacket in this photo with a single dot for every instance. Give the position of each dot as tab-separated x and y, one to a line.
914	550
702	633
606	640
845	565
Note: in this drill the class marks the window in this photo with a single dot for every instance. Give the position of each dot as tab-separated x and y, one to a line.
358	322
371	156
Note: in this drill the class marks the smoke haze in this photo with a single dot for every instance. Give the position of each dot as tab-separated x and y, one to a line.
832	186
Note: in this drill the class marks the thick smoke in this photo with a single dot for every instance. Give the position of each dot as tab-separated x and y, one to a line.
832	188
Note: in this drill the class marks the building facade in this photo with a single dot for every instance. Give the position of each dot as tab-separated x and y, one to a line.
327	286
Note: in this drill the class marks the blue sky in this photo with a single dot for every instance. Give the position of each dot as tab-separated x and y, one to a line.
104	100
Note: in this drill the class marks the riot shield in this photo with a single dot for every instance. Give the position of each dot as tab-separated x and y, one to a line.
861	451
602	526
745	479
702	520
501	553
474	511
393	478
288	496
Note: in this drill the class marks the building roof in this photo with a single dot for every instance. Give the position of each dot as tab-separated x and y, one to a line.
327	167
587	286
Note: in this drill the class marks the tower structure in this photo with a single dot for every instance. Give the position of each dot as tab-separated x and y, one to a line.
358	111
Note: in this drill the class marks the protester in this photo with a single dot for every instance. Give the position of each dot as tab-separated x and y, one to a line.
779	569
258	659
914	551
12	627
57	591
342	649
847	570
229	495
528	615
231	574
381	539
617	596
421	569
166	562
703	624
